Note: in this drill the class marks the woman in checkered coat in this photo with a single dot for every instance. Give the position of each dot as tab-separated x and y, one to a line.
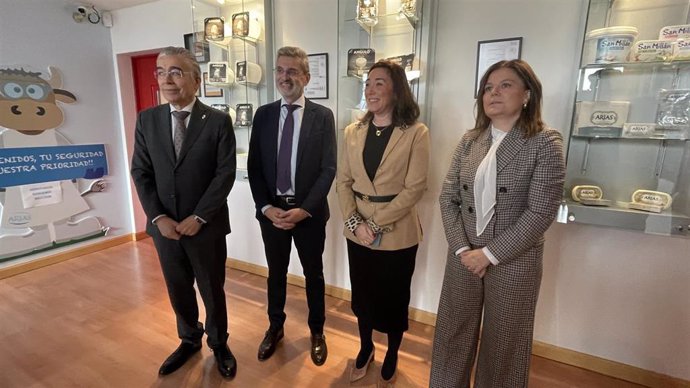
501	194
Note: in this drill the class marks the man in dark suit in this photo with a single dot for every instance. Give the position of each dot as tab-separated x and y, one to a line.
292	154
183	168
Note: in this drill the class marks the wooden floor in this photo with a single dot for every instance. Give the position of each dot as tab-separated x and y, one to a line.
104	320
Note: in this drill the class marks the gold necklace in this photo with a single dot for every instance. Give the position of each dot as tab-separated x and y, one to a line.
379	130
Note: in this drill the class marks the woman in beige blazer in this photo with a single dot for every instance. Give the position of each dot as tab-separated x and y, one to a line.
381	177
501	194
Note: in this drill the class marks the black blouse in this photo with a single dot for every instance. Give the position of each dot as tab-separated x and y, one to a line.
374	146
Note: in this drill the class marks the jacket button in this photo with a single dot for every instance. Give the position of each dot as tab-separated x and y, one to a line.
464	187
469	209
502	190
172	196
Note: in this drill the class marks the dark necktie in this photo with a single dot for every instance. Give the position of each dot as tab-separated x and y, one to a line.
284	174
180	130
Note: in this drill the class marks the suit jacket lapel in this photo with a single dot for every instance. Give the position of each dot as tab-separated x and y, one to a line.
305	129
361	138
165	123
510	146
392	142
196	124
271	138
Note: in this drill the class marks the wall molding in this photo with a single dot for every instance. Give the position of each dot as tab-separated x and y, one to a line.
47	260
566	356
138	236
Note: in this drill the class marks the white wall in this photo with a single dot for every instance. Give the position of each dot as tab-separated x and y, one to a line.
41	34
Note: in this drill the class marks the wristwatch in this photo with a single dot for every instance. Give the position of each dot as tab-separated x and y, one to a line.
199	220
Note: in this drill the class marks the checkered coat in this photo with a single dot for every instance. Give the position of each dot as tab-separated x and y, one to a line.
529	186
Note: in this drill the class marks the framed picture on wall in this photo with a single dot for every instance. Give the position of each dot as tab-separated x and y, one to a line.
492	51
318	84
196	45
210	90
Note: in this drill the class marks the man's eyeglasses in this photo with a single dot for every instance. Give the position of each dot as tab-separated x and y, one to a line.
174	73
289	72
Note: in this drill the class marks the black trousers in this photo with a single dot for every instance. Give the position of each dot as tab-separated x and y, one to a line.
309	237
202	259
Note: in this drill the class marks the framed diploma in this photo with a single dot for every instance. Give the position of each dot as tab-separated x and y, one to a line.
492	51
317	88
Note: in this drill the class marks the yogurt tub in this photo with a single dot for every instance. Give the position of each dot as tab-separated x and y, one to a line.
682	50
652	51
609	45
675	32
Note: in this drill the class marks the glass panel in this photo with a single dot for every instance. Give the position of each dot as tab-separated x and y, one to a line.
631	124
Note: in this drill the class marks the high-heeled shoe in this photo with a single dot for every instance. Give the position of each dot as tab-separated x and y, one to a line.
390	383
359	373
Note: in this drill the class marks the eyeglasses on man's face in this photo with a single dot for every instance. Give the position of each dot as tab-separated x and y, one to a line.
289	72
173	73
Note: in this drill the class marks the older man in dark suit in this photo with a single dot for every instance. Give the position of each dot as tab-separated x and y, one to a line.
183	168
291	168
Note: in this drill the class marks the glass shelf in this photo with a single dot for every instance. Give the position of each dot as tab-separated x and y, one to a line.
668	222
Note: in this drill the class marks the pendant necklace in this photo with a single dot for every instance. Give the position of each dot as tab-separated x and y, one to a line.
379	130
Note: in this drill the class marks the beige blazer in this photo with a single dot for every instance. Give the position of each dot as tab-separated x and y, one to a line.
403	171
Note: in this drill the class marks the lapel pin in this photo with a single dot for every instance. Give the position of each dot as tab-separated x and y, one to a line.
203	117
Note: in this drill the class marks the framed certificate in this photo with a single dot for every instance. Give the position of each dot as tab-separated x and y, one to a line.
317	88
492	51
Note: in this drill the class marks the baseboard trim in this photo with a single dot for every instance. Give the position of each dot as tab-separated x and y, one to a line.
63	256
541	349
138	236
607	367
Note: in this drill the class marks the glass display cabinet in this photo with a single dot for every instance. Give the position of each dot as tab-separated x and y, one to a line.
370	30
233	44
628	157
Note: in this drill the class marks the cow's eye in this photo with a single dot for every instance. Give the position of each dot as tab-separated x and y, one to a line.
35	92
12	90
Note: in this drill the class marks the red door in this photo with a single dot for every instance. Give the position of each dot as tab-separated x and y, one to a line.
145	85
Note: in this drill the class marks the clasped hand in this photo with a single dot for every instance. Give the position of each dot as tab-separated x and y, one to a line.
475	261
174	230
365	234
285	219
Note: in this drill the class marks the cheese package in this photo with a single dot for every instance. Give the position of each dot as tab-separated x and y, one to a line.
673	33
601	118
652	51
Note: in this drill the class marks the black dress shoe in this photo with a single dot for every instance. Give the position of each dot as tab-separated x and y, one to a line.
178	357
319	350
225	361
269	343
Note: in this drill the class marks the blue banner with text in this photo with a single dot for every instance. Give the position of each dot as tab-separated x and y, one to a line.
22	166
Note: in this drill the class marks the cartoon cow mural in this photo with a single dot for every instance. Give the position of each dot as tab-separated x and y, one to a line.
29	116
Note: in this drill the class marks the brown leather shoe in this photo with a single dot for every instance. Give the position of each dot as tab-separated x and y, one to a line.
319	350
269	343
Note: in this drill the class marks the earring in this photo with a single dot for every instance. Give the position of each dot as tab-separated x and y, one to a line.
524	105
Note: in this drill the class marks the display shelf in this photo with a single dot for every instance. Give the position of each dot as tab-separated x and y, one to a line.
251	84
394	35
631	125
668	223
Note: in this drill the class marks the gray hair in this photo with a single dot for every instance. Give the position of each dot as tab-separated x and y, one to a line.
295	52
184	54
